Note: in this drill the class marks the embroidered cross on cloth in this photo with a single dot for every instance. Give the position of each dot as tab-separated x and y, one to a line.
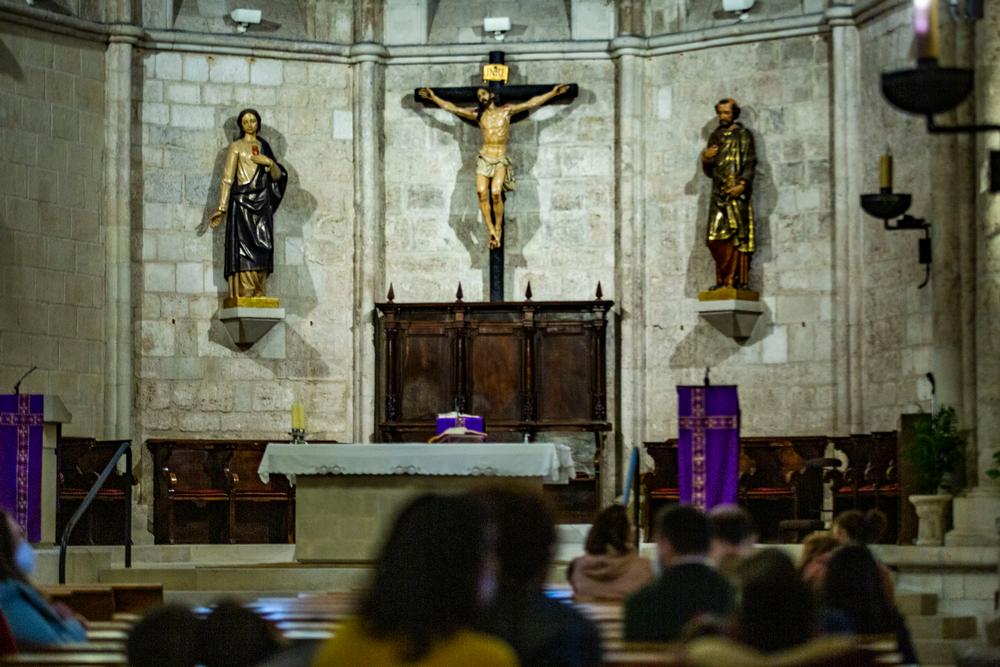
708	453
21	433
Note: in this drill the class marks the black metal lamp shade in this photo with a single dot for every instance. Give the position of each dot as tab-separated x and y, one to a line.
886	205
927	89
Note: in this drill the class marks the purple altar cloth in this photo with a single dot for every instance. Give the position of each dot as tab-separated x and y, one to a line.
708	452
21	461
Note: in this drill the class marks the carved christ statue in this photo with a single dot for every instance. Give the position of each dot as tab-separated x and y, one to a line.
494	170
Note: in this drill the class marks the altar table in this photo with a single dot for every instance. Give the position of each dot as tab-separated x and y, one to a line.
347	495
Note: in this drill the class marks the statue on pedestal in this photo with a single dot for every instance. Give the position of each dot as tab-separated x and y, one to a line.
253	184
494	170
729	160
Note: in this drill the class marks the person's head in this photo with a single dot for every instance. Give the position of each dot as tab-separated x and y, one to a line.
165	637
777	609
816	551
610	532
430	573
17	559
249	122
526	534
733	531
233	636
727	110
682	530
853	585
484	96
857	527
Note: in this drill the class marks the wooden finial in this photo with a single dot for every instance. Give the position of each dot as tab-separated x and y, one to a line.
458	294
391	296
600	291
527	292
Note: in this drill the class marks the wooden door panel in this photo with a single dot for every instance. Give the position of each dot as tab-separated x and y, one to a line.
495	372
427	373
564	374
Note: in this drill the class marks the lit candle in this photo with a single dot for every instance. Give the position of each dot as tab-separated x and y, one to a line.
885	171
925	29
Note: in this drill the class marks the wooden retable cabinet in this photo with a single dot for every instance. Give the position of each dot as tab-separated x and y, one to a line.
527	367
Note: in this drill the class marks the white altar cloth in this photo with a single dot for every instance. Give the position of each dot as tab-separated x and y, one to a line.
551	462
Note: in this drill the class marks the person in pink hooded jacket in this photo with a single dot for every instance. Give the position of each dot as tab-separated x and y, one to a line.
610	569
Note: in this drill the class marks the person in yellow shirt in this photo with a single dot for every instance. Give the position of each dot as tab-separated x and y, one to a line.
433	577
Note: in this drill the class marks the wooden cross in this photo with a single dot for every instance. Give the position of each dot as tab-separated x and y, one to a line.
495	76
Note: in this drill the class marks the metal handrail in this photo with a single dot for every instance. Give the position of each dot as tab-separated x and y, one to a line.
124	447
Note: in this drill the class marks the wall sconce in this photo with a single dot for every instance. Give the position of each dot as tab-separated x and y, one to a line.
887	204
930	89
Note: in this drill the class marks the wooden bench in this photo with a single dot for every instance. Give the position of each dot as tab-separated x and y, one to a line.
97	602
870	479
80	463
208	491
775	482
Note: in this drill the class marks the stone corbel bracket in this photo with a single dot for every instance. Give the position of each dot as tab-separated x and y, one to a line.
736	318
246	325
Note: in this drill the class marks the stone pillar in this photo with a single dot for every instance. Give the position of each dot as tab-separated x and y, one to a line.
119	380
975	514
847	236
630	257
369	206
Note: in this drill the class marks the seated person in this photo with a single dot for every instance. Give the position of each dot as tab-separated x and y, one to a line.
733	537
864	528
233	636
610	569
165	637
816	551
776	610
431	580
855	599
32	619
687	587
544	632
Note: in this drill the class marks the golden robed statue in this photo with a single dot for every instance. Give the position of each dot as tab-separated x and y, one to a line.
729	160
253	184
494	170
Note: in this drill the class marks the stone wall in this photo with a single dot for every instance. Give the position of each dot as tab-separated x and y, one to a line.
901	342
784	370
192	381
559	228
51	254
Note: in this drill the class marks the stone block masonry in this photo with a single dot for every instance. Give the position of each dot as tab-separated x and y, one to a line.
51	256
192	381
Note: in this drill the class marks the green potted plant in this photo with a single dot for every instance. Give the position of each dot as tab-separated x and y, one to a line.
937	453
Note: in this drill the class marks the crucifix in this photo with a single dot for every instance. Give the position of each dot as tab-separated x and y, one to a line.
497	106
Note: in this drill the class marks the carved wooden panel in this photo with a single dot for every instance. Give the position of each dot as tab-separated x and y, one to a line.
529	368
495	363
565	349
427	372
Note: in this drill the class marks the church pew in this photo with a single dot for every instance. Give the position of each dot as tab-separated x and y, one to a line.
66	659
100	602
137	598
774	484
93	602
81	461
643	654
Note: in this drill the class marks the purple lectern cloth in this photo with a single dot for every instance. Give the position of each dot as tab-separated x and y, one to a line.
708	452
21	461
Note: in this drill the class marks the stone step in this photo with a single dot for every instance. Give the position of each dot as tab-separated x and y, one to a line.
916	604
942	627
935	651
